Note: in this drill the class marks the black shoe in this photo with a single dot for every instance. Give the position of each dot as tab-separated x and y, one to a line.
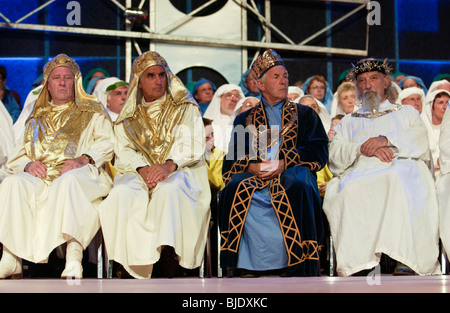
122	273
401	269
364	272
169	262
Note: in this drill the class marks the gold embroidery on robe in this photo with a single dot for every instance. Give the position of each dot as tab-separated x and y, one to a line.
53	138
151	128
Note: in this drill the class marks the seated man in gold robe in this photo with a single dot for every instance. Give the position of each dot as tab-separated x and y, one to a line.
159	205
57	177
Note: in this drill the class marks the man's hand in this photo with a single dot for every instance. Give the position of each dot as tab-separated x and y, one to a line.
74	164
384	154
266	170
323	188
37	169
156	173
373	144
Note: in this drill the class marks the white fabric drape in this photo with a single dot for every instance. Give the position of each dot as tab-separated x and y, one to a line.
375	207
136	224
35	217
443	184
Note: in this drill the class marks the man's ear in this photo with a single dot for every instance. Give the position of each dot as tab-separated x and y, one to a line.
386	81
260	85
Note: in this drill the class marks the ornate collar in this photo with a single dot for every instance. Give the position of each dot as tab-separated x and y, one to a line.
374	113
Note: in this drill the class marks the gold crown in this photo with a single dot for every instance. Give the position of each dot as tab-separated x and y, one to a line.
60	60
369	65
264	62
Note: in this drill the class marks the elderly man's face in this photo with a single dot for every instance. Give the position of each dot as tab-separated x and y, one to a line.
204	93
275	87
116	98
372	82
250	82
415	101
61	85
153	83
228	102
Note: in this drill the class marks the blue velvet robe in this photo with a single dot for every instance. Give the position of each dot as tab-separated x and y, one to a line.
294	194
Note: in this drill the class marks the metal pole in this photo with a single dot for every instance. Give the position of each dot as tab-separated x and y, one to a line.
128	51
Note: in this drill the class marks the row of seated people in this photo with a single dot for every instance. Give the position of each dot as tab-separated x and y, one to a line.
158	206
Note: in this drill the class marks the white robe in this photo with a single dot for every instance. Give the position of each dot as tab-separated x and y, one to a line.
6	139
222	124
36	217
135	225
434	131
375	207
443	184
19	125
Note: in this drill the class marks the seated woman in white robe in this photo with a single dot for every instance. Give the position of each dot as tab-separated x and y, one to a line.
220	111
346	99
295	93
442	84
432	115
319	108
443	184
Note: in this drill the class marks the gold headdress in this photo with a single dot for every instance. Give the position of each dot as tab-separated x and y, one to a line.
175	87
61	60
264	62
151	129
84	101
369	65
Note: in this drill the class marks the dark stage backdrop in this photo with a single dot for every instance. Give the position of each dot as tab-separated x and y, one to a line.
412	34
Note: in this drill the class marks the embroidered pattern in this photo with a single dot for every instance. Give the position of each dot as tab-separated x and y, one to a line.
280	202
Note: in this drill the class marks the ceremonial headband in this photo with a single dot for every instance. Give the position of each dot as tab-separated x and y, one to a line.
265	62
369	65
61	60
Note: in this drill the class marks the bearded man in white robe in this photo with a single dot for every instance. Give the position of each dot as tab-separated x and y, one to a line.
381	199
57	179
159	205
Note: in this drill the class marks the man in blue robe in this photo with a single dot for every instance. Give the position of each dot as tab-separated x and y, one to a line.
270	214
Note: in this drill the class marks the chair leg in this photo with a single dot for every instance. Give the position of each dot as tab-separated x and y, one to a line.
219	268
100	261
205	267
331	253
202	268
444	264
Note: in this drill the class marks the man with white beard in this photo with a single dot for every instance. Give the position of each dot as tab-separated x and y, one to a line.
381	199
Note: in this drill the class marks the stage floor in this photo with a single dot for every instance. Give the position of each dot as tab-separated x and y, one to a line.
263	285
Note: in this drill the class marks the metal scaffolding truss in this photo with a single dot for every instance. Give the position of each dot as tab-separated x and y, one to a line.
151	35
